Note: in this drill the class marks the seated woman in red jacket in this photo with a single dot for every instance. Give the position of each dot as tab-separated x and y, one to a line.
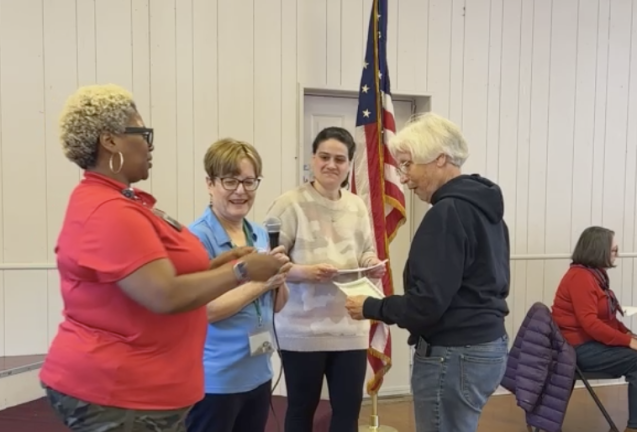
585	309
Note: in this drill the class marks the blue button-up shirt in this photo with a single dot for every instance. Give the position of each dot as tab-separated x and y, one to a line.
228	365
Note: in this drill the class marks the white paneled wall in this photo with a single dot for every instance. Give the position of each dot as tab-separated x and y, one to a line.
546	92
199	70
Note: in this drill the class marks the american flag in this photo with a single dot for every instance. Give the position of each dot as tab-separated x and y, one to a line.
375	175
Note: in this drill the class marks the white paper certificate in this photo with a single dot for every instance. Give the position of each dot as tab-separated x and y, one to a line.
362	286
361	269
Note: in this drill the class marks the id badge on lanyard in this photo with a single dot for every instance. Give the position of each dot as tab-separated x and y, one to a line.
260	339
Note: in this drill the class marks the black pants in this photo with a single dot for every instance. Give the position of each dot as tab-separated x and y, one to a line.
613	360
235	412
345	372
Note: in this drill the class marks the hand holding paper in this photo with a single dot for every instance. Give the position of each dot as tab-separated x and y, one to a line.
354	306
357	292
322	272
376	269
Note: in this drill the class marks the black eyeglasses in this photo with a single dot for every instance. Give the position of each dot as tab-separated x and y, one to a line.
145	132
231	184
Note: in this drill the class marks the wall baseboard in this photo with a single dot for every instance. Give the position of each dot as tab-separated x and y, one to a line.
403	393
20	388
606	383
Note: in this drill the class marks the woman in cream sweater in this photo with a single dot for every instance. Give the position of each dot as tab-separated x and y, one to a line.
325	228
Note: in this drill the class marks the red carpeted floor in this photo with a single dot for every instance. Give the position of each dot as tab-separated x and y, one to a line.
37	416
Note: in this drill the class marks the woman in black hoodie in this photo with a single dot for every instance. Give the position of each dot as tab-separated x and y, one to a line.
456	280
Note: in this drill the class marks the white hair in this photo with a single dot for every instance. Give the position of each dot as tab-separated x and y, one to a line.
427	136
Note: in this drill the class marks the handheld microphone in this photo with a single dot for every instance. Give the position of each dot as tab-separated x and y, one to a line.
273	227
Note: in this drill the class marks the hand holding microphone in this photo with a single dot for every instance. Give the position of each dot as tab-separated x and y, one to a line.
275	282
231	255
279	253
273	227
262	267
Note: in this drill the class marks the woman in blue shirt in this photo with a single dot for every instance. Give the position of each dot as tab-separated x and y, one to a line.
240	341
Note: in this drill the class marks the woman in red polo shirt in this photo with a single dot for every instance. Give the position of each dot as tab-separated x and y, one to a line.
135	282
585	309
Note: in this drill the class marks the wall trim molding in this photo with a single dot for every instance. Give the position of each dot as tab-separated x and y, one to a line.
520	257
558	256
28	266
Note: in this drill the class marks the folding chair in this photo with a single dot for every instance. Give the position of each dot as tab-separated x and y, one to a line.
585	377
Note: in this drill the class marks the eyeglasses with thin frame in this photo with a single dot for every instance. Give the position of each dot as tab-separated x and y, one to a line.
231	184
146	133
403	168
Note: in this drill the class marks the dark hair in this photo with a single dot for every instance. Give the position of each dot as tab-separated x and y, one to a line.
593	248
341	135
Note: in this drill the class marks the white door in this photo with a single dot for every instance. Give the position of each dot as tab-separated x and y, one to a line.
321	112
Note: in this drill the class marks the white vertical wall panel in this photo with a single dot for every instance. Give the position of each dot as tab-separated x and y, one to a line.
206	92
61	76
22	114
545	91
163	101
268	98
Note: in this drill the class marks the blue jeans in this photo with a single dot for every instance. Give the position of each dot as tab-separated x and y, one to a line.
613	360
451	385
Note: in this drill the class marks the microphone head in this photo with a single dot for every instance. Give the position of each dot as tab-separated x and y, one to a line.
272	225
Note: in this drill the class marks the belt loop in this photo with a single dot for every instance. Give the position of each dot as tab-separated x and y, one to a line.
129	420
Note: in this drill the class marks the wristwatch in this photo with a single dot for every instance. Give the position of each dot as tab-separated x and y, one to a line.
241	272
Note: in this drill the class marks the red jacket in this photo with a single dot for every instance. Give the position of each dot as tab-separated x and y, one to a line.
582	312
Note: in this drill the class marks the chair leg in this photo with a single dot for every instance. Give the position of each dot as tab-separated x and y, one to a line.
599	404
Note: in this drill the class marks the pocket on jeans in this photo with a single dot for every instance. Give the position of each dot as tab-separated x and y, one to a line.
426	377
480	376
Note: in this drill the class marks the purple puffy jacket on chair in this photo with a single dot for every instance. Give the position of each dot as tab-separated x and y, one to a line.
541	370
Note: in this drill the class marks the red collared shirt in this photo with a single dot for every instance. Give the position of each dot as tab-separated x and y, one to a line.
109	350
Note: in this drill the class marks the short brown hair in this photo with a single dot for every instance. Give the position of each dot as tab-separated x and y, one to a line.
593	248
222	158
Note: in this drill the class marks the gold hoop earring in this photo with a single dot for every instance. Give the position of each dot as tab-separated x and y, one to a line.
121	162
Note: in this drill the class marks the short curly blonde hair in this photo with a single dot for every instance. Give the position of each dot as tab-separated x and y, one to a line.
223	158
89	112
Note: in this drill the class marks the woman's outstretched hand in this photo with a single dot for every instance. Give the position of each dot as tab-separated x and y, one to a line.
261	267
231	255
